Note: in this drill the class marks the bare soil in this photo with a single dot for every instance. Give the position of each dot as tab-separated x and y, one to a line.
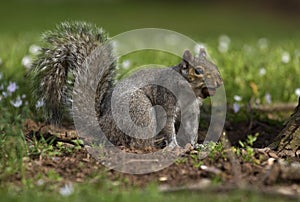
267	171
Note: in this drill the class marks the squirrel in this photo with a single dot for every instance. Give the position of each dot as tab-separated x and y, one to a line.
56	67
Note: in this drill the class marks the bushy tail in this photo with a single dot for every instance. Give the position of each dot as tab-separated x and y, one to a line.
60	60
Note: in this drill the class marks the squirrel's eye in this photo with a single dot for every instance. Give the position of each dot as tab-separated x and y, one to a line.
198	71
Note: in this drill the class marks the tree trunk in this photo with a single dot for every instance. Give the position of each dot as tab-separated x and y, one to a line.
288	140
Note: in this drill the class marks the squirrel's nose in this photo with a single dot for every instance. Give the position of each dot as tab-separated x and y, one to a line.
214	82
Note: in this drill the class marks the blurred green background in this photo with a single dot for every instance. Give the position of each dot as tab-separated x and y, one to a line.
195	18
262	43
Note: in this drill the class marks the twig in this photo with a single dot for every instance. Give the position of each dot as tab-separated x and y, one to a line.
278	107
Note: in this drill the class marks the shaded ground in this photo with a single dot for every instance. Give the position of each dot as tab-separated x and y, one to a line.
222	169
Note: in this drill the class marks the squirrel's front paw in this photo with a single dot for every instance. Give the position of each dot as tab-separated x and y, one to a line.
172	146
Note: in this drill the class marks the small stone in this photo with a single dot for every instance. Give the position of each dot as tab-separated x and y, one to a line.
163	179
273	155
271	161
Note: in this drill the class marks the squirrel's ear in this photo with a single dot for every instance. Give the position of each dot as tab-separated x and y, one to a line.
186	59
202	53
187	56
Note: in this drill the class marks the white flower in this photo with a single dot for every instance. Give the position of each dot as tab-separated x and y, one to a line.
224	39
23	96
40	182
237	98
17	103
67	190
285	57
268	98
34	49
263	43
27	62
262	71
236	107
4	94
12	87
297	92
223	48
39	104
224	42
126	64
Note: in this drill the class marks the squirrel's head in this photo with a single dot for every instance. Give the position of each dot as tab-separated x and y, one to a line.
202	74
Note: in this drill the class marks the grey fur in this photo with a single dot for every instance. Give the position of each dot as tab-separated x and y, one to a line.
62	59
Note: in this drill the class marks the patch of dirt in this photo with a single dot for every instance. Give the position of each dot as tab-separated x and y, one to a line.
265	170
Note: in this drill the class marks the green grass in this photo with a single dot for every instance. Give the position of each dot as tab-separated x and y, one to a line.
94	193
22	22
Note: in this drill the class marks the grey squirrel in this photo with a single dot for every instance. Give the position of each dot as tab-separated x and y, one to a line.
56	67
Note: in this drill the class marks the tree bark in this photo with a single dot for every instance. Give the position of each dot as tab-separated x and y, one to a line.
288	140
